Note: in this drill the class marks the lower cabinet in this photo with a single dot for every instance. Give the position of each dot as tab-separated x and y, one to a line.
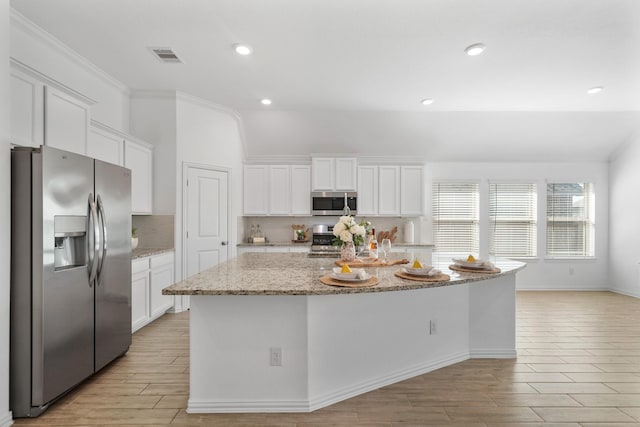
149	275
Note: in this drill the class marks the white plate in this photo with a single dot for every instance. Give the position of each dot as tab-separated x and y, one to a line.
366	276
417	271
464	263
346	276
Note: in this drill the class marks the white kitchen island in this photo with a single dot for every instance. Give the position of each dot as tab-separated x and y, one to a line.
335	342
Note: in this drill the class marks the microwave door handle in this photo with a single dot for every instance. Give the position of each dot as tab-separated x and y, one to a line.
92	240
103	240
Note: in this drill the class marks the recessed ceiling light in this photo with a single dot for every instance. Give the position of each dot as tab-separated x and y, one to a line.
475	49
427	101
594	90
265	101
242	49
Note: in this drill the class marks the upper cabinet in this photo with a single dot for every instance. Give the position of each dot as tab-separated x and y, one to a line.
105	145
389	190
277	190
334	173
27	110
42	113
412	190
66	124
139	158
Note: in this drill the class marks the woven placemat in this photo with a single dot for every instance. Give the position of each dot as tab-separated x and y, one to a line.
371	262
328	280
494	270
439	278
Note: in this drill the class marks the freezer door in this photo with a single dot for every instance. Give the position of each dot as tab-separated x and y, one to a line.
113	283
62	297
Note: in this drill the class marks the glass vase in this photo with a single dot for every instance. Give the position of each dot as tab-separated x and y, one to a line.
348	252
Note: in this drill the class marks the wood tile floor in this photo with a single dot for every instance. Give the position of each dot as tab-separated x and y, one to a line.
578	365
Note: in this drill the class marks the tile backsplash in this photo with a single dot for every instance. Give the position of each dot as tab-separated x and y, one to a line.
154	231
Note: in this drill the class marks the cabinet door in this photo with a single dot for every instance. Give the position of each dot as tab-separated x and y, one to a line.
389	190
105	146
162	275
138	159
279	190
27	110
256	190
367	190
411	197
66	123
301	190
139	300
323	174
345	173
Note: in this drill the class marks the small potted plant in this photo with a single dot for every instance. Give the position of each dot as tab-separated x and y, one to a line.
134	238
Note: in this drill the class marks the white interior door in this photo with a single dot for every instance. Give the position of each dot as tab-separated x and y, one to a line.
207	218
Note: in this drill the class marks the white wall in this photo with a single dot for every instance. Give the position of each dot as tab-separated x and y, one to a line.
624	219
542	272
5	216
37	49
208	135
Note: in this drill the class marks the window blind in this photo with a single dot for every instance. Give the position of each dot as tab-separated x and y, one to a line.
455	217
570	219
512	219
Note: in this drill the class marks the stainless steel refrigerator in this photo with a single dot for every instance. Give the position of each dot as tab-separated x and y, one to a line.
70	272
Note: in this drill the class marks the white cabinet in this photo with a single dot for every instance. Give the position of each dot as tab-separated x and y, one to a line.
389	190
26	109
138	158
412	189
162	275
334	173
105	146
300	190
277	190
149	275
256	190
66	124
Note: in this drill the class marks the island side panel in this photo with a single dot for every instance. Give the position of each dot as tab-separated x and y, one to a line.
230	342
492	318
361	342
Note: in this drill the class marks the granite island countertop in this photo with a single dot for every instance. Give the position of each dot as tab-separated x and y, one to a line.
297	274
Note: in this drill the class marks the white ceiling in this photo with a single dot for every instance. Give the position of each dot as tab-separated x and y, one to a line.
348	75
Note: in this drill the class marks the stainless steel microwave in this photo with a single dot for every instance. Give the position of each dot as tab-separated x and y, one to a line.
333	202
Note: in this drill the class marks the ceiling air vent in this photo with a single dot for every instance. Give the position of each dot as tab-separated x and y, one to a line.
166	54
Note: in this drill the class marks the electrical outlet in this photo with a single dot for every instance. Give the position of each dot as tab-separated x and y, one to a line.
433	327
275	356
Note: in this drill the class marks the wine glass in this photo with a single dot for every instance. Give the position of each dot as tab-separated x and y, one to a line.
386	248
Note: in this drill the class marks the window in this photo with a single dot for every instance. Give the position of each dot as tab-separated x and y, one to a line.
455	217
570	220
512	219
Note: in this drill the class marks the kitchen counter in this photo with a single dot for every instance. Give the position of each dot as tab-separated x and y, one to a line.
297	274
268	336
144	252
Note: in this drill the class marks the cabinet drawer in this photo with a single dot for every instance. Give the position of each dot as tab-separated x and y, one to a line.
159	260
139	265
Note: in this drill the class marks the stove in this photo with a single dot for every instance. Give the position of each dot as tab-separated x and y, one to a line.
321	242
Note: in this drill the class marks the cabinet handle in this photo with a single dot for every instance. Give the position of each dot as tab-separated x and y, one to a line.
223	243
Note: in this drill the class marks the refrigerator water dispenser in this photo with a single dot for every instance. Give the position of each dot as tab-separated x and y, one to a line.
70	245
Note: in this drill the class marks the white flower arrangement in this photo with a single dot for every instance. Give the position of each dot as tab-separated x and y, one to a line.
348	230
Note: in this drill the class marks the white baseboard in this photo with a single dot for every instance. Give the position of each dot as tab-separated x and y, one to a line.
627	293
6	420
217	406
491	353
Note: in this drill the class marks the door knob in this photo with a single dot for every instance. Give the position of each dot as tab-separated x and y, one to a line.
223	243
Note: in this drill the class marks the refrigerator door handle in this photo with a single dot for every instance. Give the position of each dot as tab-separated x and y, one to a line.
92	239
102	254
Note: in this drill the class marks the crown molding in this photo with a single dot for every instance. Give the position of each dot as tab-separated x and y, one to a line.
153	94
23	22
